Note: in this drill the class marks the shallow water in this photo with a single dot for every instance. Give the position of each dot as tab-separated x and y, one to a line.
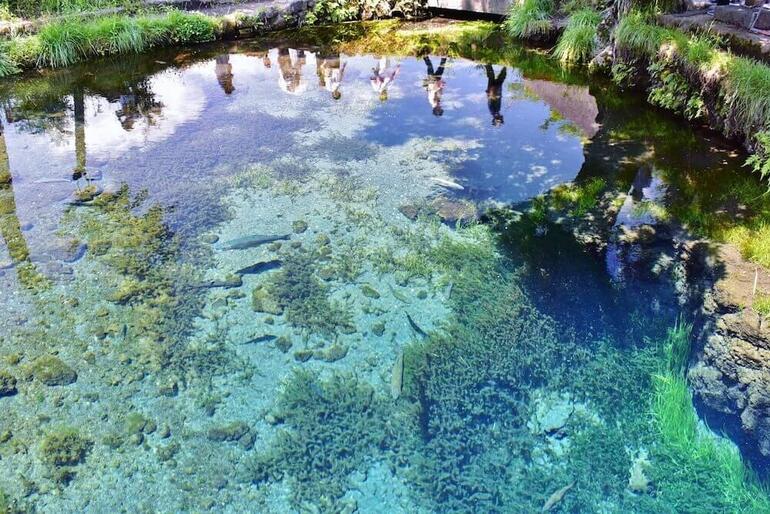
388	358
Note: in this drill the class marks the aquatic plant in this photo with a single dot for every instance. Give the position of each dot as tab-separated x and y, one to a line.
64	447
529	18
330	428
578	41
582	197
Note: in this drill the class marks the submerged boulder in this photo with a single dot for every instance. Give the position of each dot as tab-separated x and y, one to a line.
7	384
52	371
731	371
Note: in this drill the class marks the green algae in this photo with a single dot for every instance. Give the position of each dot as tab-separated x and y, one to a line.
64	447
52	371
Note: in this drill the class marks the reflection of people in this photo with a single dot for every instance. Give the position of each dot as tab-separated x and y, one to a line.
434	85
290	78
642	180
330	73
381	78
495	93
224	72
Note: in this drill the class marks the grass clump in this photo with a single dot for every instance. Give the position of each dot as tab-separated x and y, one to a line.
529	18
578	41
762	306
752	241
65	42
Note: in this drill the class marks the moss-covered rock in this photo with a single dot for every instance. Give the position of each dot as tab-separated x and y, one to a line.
64	447
52	371
7	384
299	226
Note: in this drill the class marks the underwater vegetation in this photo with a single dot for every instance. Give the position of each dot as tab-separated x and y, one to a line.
298	293
329	428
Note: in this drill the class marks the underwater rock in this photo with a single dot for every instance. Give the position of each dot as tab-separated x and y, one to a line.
85	195
397	377
209	238
453	211
7	384
730	373
638	483
260	267
378	328
551	414
303	355
333	353
410	211
326	273
65	250
252	241
299	226
237	431
51	371
262	300
370	292
283	343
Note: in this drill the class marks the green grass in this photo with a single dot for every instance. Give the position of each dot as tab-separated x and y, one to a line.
66	42
578	41
752	241
529	18
762	305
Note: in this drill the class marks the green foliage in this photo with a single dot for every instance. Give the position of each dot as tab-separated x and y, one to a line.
636	33
332	11
747	92
331	428
529	18
182	27
64	447
672	91
578	41
65	42
762	306
7	65
760	161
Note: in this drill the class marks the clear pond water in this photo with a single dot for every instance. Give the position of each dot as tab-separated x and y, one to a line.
269	277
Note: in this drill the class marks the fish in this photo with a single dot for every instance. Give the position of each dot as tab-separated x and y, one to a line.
556	497
260	267
252	241
448	291
449	184
226	283
261	339
397	378
415	327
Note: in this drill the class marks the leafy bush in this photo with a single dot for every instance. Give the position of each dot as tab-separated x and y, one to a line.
529	18
332	11
184	27
578	41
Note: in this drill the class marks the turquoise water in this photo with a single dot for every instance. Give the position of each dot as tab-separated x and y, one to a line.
244	279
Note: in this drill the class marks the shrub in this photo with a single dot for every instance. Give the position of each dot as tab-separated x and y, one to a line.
189	27
578	41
